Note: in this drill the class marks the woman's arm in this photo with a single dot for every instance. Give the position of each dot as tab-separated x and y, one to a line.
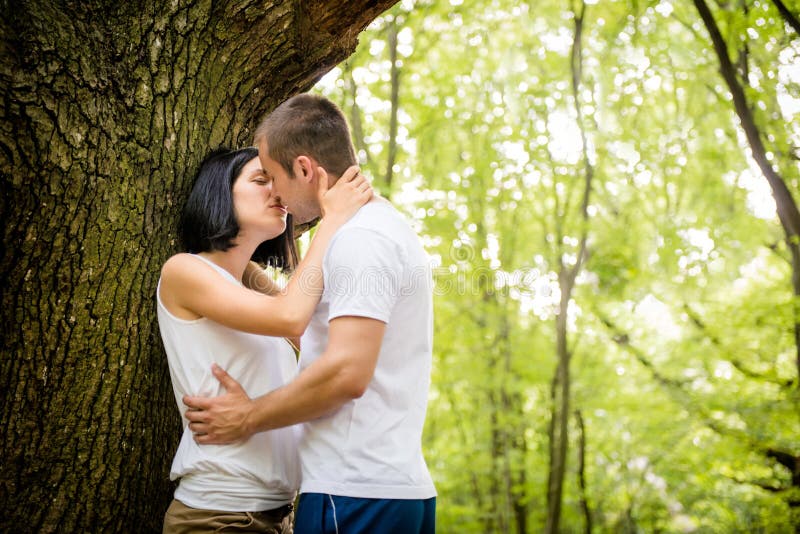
257	279
197	288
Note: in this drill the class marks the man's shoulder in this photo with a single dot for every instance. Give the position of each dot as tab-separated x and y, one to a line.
381	218
377	234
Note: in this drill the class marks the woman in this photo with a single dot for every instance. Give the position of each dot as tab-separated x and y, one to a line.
207	316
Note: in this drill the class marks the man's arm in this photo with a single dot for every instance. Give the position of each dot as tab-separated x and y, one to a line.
341	374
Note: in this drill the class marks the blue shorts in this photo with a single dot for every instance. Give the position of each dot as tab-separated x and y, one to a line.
319	513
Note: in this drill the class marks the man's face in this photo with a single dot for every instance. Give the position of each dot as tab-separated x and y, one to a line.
297	193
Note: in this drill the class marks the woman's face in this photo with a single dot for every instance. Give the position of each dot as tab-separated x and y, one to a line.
260	214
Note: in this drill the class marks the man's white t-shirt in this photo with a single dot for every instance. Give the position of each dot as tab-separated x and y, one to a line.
375	267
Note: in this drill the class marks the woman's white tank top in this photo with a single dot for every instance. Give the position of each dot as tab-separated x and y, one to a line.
260	473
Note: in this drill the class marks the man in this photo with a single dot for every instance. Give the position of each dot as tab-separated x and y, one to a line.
366	356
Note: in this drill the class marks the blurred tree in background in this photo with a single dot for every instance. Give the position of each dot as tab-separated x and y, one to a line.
617	295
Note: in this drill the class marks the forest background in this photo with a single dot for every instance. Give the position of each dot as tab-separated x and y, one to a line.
615	315
606	189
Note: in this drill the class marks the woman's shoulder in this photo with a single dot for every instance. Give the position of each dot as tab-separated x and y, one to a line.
181	263
186	269
180	277
190	272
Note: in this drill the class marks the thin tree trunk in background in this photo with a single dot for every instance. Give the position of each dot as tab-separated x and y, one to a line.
513	432
394	99
497	519
500	514
493	340
107	108
558	430
517	444
520	505
560	389
517	440
584	497
475	482
788	213
356	124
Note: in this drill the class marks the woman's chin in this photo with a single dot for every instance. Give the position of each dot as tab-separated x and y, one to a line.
277	231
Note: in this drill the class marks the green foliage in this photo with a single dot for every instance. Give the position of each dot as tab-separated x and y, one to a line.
681	324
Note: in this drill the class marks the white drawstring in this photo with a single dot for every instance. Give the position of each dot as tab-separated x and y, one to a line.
335	523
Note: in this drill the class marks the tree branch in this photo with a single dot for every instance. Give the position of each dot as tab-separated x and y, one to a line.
696	320
787	15
788	213
787	208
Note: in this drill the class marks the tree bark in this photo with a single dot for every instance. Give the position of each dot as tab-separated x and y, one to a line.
107	108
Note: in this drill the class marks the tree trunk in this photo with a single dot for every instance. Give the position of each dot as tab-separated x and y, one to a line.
584	498
559	427
107	108
395	104
560	388
356	124
788	213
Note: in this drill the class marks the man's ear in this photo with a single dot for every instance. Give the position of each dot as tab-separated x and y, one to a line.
304	168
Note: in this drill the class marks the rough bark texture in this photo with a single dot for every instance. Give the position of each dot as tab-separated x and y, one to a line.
105	110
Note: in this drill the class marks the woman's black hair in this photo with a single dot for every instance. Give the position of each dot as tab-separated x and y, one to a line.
208	221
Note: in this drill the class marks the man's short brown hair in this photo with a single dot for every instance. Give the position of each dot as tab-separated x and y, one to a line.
309	125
